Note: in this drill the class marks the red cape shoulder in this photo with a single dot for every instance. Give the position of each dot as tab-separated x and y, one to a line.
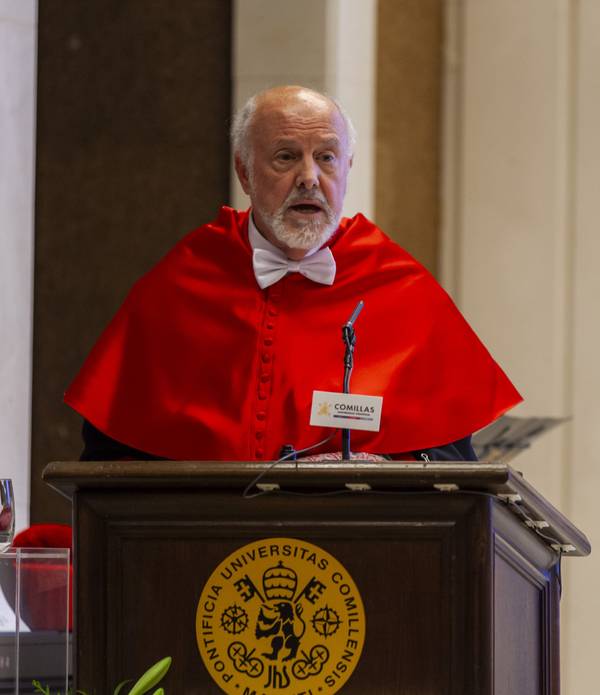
201	363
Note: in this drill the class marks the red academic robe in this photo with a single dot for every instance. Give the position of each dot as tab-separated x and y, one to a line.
200	363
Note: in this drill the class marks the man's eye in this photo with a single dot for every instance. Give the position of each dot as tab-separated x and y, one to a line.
284	156
327	157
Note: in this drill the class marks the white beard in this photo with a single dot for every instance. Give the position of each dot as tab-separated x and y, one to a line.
304	236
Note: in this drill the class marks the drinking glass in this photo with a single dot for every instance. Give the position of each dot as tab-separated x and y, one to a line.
7	514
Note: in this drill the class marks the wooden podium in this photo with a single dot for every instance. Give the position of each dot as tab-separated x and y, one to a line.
458	566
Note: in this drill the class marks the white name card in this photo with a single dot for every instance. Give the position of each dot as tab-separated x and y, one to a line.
350	411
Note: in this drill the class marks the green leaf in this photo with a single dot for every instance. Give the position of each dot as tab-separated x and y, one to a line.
121	685
39	688
152	676
159	691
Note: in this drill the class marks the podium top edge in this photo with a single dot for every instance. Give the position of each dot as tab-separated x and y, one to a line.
236	473
498	480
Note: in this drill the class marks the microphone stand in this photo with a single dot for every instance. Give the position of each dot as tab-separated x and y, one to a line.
349	338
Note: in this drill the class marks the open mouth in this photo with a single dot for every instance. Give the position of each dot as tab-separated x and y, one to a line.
305	208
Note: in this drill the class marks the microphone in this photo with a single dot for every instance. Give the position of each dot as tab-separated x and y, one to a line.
349	338
288	451
359	307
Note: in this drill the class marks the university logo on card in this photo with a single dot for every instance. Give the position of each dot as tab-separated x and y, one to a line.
280	616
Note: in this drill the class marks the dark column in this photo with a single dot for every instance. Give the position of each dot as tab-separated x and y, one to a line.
132	152
408	127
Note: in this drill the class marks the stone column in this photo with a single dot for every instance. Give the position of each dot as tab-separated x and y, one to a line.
17	155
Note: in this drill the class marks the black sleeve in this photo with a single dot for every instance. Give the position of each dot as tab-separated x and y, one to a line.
461	450
98	446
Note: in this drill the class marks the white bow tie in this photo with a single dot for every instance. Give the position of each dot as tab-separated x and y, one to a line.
271	266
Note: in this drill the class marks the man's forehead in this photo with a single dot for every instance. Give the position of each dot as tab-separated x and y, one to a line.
286	121
293	97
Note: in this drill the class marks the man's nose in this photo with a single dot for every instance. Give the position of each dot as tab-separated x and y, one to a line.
308	174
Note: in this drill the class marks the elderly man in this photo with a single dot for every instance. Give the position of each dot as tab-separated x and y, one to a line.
216	352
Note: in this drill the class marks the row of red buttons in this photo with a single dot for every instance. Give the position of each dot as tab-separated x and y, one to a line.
273	295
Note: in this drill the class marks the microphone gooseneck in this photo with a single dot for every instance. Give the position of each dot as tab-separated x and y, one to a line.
349	338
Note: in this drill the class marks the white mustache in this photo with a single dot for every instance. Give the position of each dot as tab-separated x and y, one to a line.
294	198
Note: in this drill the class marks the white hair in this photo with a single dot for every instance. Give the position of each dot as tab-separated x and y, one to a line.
240	129
242	120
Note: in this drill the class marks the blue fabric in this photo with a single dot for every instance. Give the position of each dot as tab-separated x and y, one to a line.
461	450
98	446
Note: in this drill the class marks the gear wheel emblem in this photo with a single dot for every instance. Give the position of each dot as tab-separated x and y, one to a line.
326	621
234	619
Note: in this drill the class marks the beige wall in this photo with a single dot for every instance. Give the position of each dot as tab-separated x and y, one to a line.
17	142
582	479
520	245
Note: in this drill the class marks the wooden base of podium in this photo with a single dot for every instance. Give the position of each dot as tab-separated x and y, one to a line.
460	596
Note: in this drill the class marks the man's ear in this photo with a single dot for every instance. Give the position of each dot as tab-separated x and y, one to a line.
242	173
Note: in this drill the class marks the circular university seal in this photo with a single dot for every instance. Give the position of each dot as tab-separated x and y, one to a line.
280	616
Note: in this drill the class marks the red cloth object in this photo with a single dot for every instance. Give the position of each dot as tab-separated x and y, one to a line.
43	596
45	536
200	363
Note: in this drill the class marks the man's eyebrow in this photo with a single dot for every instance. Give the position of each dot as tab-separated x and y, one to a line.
331	142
